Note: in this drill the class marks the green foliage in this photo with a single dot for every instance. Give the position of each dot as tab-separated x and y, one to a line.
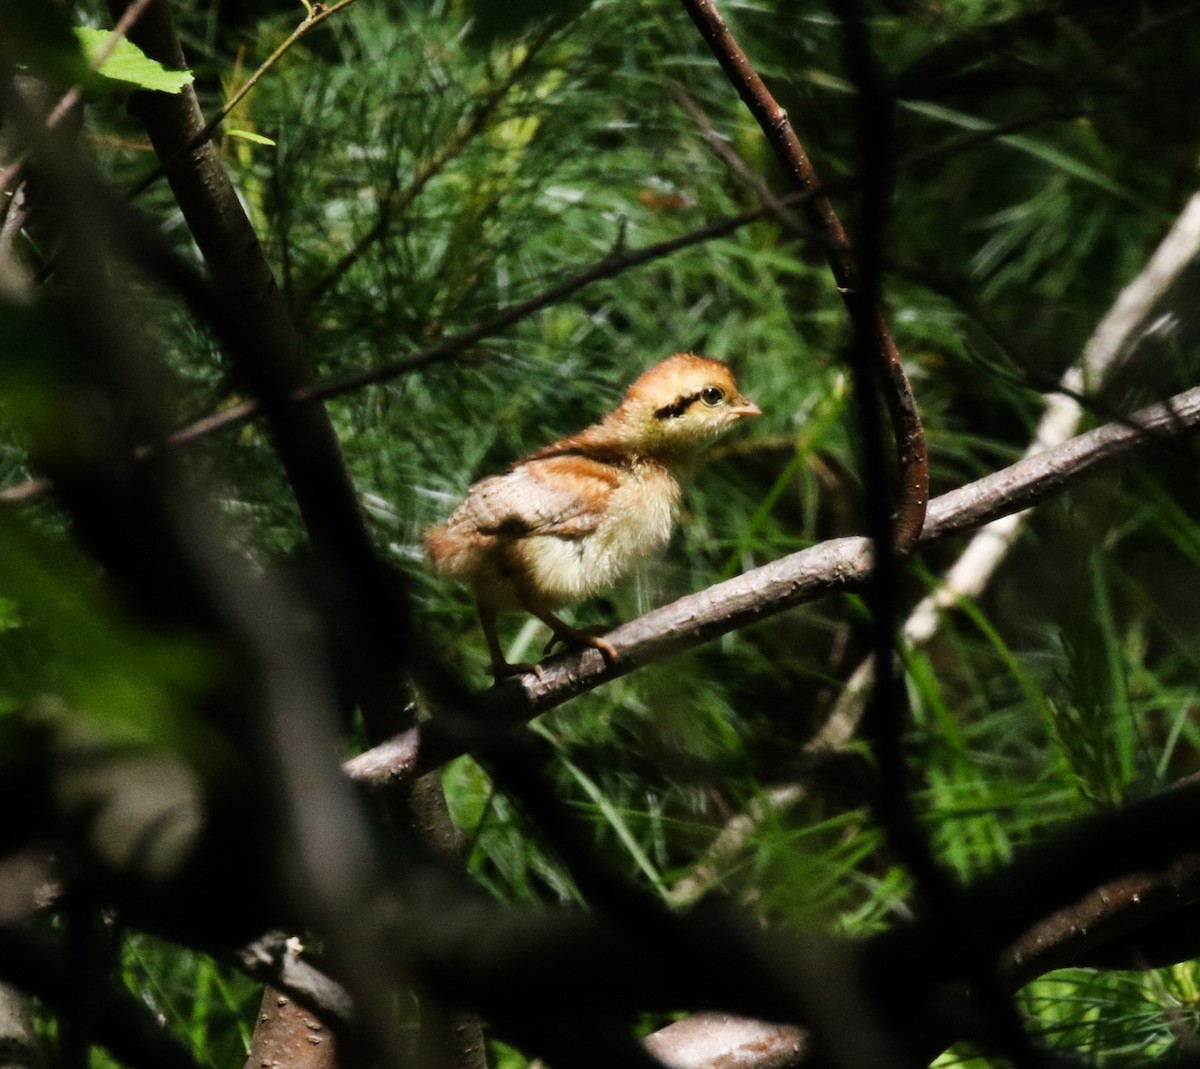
128	65
40	38
211	1006
414	169
1112	1019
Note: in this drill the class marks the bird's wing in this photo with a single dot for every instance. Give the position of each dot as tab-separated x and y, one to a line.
563	497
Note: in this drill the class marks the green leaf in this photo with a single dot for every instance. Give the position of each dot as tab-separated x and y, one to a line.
246	135
128	64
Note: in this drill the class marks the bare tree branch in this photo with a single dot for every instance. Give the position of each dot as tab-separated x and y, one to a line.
719	1041
286	1033
1138	913
773	120
1098	883
270	359
838	565
1112	339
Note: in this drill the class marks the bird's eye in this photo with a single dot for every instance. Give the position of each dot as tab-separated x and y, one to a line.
712	395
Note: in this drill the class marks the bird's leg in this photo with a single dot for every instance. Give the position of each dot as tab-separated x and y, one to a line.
499	666
571	636
558	639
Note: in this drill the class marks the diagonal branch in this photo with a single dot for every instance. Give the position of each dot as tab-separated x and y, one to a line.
1110	343
819	210
269	357
264	349
835	566
609	266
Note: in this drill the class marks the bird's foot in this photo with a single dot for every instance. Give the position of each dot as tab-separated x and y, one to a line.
502	670
581	639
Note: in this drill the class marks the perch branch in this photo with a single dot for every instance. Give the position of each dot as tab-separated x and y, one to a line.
837	565
1114	336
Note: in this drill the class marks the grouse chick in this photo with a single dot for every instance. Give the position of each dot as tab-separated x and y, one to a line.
567	521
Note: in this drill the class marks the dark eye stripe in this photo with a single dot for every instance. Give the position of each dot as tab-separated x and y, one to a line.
677	408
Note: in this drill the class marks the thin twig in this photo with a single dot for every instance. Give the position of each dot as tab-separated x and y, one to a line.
611	265
723	150
316	15
906	423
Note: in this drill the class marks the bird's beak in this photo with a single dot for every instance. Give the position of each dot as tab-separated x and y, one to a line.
743	407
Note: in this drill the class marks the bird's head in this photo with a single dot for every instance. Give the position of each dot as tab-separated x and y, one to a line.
681	404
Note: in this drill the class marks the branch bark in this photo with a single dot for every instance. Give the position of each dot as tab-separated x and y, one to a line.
1105	350
1093	884
288	1034
777	128
838	565
269	358
265	352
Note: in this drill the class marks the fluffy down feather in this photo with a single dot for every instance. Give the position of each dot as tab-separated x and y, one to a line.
569	520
